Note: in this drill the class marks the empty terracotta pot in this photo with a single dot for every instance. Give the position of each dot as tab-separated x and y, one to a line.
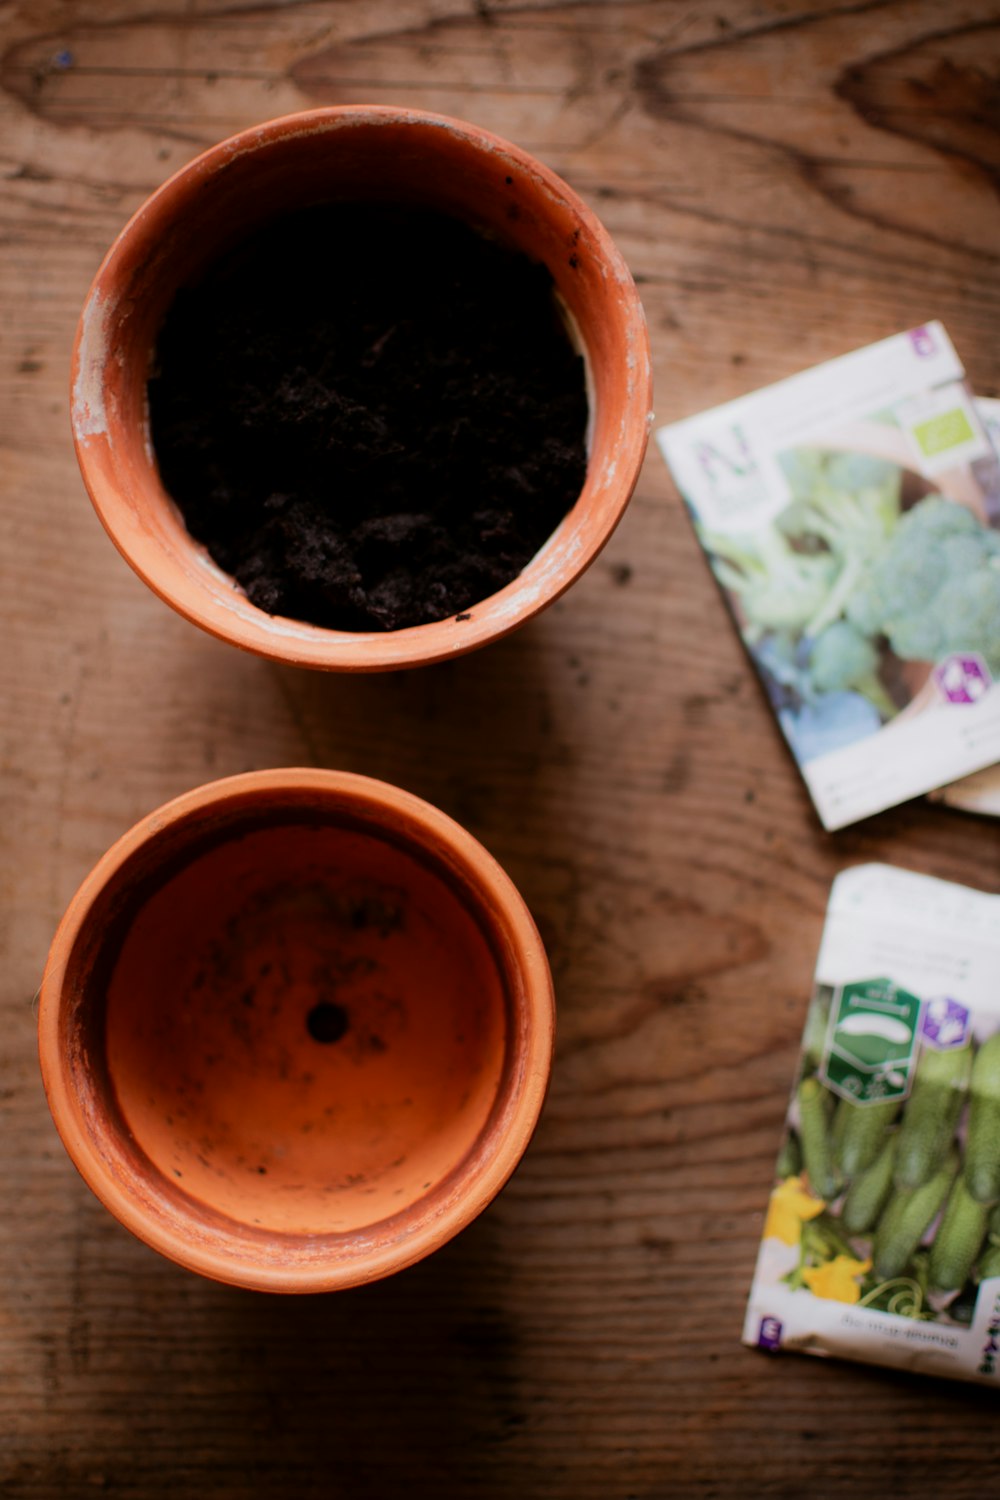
348	153
296	1029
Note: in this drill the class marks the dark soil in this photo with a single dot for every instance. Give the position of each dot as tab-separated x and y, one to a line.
371	416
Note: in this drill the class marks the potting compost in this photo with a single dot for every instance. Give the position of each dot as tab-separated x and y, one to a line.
372	416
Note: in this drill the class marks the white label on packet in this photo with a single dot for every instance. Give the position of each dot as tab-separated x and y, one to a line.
905	760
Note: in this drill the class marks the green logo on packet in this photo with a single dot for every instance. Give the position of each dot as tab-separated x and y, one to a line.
949	429
871	1041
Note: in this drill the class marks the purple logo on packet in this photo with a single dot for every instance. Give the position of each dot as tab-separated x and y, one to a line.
963	678
769	1336
923	342
945	1024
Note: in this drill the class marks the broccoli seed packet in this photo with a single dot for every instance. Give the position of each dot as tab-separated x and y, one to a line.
851	516
882	1236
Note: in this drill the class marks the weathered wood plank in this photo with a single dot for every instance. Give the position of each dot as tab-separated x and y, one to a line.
787	182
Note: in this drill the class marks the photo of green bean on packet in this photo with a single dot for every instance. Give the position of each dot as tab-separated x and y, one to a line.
881	1240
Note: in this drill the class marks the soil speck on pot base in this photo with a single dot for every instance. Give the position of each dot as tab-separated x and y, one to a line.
327	1022
372	416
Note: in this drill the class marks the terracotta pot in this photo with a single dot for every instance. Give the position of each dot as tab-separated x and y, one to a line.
350	152
296	1029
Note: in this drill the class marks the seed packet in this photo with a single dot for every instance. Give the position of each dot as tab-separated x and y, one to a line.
882	1236
851	516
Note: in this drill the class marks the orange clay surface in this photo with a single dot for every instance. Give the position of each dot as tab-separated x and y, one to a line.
305	1029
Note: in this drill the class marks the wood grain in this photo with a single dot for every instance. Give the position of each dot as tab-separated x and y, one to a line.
788	181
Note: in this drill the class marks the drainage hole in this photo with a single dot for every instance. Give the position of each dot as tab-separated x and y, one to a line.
326	1022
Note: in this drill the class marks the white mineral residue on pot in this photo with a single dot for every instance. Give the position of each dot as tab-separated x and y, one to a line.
231	594
563	551
89	415
233	598
575	337
147	430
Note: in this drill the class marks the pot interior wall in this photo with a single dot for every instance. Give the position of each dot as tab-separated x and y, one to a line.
305	1029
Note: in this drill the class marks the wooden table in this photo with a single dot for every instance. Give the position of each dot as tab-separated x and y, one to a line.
787	183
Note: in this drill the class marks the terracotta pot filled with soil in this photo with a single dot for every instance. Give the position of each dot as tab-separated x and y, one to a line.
296	1030
361	388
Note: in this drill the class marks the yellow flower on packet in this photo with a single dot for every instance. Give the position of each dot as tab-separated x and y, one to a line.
790	1205
836	1281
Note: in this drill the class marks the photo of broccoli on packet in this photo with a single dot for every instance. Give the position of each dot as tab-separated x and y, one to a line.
851	516
854	594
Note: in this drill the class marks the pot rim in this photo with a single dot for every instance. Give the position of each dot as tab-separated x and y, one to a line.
478	1177
545	578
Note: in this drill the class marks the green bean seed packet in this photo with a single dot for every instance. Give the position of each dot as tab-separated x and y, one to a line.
851	517
881	1240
